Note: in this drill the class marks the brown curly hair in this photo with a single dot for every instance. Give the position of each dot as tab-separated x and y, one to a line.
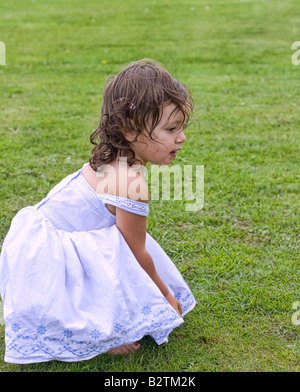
133	101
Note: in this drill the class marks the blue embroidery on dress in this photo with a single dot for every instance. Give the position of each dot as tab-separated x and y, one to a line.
134	206
68	334
66	344
117	327
146	310
15	327
41	330
95	334
178	296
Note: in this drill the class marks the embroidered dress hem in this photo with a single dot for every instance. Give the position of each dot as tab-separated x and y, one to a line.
70	350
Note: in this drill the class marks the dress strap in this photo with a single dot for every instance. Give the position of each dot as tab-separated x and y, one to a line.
134	206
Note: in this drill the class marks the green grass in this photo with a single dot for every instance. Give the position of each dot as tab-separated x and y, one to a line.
240	253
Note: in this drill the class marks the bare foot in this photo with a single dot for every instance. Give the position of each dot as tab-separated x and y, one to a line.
126	349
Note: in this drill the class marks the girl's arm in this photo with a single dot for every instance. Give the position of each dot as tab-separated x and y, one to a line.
133	229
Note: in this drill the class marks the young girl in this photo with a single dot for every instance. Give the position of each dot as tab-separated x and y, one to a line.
79	275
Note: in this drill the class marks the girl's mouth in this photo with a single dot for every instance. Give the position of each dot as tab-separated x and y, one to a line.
173	153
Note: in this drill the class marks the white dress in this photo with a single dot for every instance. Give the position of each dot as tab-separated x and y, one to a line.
71	286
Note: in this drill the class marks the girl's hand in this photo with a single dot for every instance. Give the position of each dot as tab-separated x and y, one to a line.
174	303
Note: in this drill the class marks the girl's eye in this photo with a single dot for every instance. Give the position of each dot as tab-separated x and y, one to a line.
172	129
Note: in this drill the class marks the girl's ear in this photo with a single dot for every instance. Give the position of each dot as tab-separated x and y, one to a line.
129	135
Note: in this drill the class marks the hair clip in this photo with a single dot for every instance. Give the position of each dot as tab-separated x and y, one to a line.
132	106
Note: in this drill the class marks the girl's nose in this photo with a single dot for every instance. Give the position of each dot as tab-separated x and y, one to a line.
181	138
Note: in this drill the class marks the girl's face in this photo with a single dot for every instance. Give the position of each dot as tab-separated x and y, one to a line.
167	138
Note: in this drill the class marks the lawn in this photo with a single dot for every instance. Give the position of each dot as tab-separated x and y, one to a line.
239	254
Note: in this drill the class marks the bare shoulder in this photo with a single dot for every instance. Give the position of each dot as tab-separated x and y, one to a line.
137	187
118	179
